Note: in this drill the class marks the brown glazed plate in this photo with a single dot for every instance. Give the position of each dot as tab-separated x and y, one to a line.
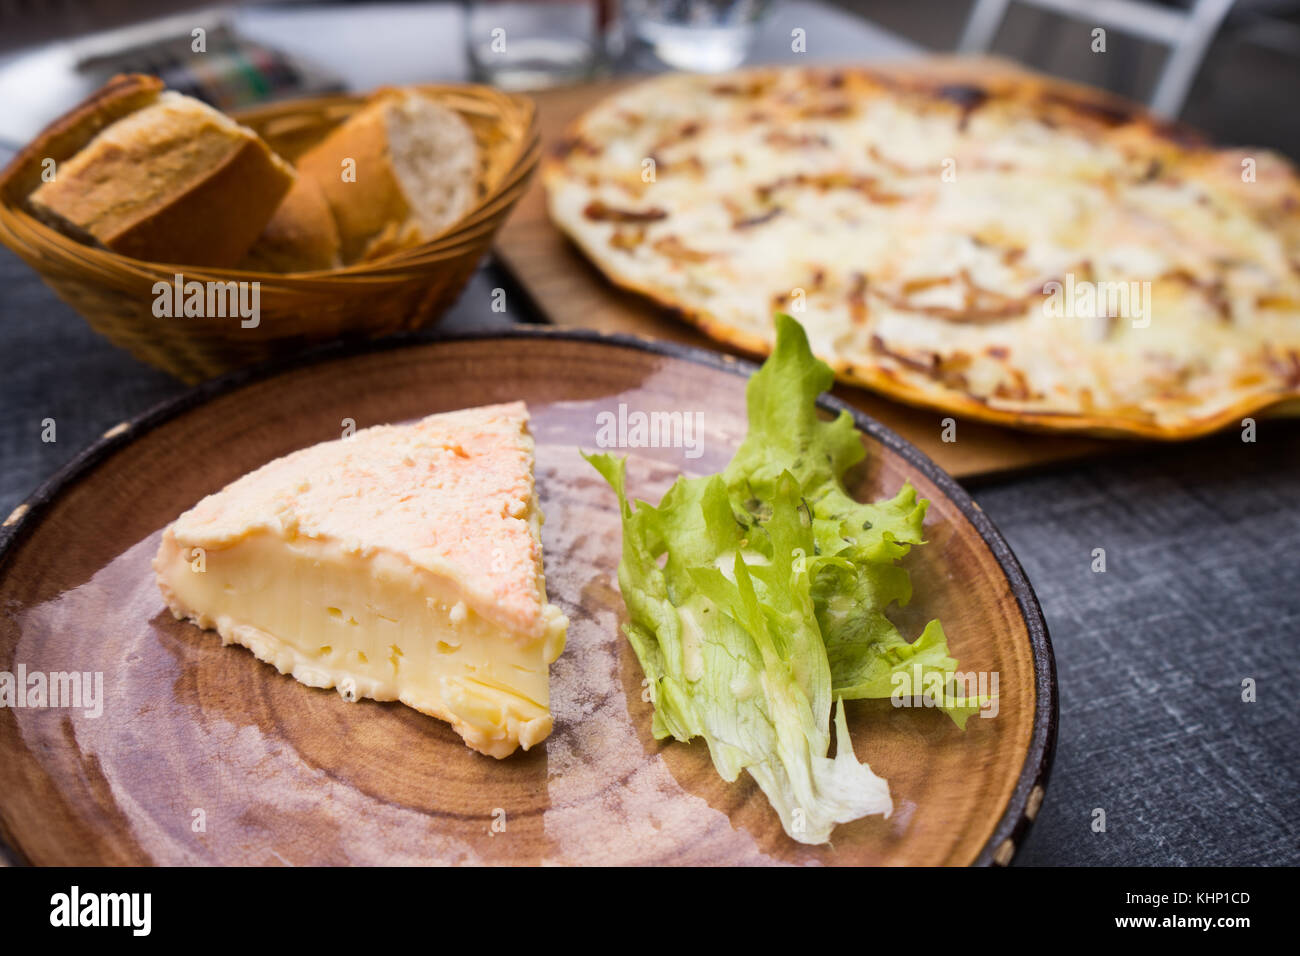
204	755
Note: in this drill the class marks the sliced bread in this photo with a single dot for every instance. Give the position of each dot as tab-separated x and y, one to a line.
396	173
301	237
174	181
65	136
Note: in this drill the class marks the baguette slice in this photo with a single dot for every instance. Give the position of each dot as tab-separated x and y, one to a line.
415	163
175	181
301	237
64	137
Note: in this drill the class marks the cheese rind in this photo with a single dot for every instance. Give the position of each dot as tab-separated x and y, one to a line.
398	564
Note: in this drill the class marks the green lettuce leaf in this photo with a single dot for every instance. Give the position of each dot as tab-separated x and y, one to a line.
727	635
756	599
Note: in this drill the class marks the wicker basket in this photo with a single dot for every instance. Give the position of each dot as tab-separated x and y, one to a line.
406	290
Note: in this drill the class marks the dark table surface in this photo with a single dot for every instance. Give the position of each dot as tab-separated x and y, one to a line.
1201	592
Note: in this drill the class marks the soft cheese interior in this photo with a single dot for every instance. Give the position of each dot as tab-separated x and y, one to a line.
367	616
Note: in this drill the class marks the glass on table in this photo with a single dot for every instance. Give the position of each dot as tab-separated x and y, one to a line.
516	44
700	35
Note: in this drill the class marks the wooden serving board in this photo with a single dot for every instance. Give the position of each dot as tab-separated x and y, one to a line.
571	292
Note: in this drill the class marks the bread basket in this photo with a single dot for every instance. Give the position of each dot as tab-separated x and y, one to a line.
407	290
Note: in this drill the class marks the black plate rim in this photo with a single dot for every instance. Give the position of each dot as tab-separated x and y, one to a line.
1026	799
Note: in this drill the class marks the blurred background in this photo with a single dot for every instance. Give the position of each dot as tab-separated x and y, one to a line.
1231	69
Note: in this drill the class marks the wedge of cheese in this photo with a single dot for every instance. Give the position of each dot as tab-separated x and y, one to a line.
399	563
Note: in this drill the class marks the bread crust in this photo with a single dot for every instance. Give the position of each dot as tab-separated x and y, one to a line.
64	137
373	211
301	237
363	208
184	185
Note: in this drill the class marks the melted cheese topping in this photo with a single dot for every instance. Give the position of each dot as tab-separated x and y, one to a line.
920	235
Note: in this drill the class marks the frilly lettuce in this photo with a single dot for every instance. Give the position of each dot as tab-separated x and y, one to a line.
756	598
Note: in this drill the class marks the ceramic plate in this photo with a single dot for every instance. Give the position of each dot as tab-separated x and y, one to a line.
202	754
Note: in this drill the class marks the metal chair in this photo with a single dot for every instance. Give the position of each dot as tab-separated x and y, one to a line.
1187	32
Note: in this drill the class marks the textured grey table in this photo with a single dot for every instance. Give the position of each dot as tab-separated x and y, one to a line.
1201	592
